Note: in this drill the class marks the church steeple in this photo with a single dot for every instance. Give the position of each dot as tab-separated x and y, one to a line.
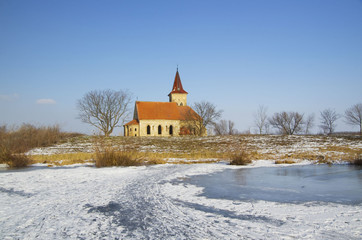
178	94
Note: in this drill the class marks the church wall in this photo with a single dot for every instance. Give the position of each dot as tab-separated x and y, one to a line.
165	127
141	129
179	98
131	130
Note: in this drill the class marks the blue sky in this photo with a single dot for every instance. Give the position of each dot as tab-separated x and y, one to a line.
288	55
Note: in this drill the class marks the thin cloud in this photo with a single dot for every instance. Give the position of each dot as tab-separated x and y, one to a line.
45	101
8	98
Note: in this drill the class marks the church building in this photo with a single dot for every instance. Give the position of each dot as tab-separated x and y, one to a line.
173	118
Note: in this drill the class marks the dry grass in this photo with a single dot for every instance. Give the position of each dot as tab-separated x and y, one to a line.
284	162
14	142
107	155
63	159
344	149
186	150
15	160
27	136
241	158
146	157
110	158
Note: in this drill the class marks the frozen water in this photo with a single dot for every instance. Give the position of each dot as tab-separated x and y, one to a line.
292	184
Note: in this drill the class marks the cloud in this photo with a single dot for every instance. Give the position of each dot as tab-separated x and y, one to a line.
45	101
9	98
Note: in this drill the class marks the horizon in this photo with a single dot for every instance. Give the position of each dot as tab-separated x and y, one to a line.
286	55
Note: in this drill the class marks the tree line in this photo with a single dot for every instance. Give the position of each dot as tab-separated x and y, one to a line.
290	123
109	109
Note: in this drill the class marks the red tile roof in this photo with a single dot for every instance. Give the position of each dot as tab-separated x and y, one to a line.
164	111
187	113
177	85
133	122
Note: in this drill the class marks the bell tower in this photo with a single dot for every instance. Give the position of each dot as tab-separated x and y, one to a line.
178	94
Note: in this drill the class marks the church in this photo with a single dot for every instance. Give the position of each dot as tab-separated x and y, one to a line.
173	118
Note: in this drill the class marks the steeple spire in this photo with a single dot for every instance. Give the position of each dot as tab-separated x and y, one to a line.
177	85
178	94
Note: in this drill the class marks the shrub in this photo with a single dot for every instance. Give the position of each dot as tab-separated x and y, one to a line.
110	157
14	142
27	136
240	158
19	161
13	160
107	156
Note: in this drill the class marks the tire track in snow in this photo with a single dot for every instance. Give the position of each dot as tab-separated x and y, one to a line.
146	213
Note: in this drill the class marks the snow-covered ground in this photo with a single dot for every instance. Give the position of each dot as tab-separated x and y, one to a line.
82	202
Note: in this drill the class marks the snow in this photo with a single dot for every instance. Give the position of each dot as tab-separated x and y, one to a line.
83	202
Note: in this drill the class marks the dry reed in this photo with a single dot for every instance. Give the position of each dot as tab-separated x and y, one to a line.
241	158
14	142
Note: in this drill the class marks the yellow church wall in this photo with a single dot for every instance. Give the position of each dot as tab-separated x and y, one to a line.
165	127
131	130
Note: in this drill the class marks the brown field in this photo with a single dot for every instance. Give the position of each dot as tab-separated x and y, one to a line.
154	150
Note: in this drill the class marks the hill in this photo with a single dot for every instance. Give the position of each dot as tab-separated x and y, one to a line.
322	149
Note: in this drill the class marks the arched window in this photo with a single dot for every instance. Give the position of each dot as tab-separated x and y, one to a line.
181	104
148	130
171	130
159	129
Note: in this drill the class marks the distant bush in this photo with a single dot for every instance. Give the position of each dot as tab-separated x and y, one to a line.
111	157
241	158
13	160
27	136
14	142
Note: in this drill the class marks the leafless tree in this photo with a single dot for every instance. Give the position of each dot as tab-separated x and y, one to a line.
261	119
232	129
353	116
225	128
220	128
207	114
105	109
309	123
328	120
287	122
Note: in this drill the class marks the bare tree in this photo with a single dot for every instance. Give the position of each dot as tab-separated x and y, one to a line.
287	122
353	116
104	109
225	128
231	128
220	128
328	120
309	123
261	119
207	114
